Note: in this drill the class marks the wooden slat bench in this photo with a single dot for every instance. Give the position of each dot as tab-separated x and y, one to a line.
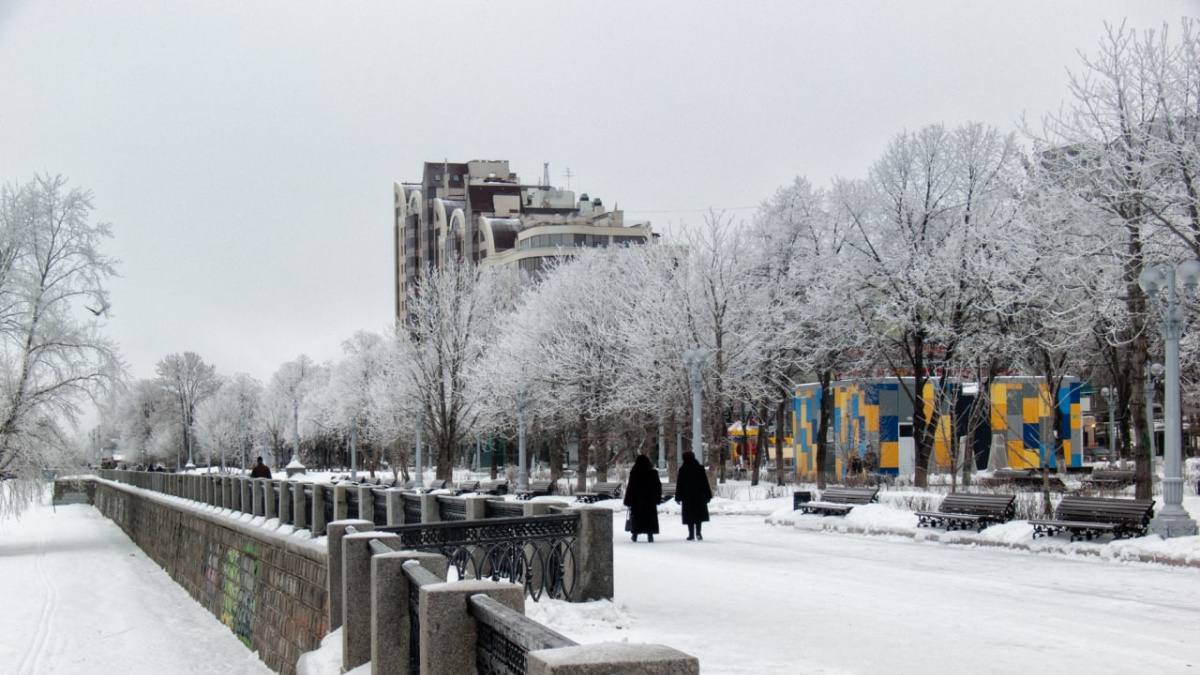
494	487
1110	478
959	511
668	493
467	486
537	488
1087	517
838	501
600	492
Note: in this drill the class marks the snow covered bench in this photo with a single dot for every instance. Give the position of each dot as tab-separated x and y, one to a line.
837	501
1110	478
494	487
1087	517
668	493
600	492
467	486
960	511
537	488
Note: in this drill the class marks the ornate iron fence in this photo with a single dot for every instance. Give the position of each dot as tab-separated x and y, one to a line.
498	508
537	552
504	637
452	508
352	501
412	508
417	577
326	504
379	505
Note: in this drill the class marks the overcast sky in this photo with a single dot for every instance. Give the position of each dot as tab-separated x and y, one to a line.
245	151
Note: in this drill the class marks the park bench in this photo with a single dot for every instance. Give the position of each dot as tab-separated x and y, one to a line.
837	501
467	486
959	511
600	492
668	493
431	485
1030	479
494	487
1087	517
537	488
1110	478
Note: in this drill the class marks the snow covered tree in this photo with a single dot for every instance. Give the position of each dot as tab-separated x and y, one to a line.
290	385
52	298
189	380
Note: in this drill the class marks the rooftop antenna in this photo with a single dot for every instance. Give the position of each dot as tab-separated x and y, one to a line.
546	174
569	174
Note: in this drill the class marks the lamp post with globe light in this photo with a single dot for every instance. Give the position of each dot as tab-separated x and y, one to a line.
1172	520
1110	393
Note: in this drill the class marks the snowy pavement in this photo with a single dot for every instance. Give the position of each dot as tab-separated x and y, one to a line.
80	597
756	598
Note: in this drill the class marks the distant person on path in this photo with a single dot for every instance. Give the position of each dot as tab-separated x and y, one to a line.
642	496
692	490
260	470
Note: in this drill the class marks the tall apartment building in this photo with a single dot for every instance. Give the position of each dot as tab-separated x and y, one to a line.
480	211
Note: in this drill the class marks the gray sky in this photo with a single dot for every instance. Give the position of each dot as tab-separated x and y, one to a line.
245	151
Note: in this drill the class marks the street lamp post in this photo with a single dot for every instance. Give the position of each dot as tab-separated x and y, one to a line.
420	465
695	360
522	465
1109	394
1154	372
1172	520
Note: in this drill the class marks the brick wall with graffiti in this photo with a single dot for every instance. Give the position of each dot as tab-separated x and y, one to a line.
268	590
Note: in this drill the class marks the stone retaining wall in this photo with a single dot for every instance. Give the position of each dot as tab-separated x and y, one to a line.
269	590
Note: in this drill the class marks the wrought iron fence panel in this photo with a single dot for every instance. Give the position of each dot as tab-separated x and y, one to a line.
498	508
412	508
452	508
417	577
327	502
352	502
379	504
537	552
505	637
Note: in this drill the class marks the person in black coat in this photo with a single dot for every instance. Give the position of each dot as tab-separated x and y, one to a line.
260	470
642	496
693	492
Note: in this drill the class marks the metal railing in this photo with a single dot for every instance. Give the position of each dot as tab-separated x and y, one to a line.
452	508
417	577
379	505
537	552
498	508
504	637
412	508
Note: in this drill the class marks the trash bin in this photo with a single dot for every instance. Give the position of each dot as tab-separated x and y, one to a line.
800	497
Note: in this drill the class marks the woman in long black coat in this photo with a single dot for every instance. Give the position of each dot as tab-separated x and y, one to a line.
692	490
642	496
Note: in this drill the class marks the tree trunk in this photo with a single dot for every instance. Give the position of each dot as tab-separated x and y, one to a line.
825	377
780	412
761	445
581	473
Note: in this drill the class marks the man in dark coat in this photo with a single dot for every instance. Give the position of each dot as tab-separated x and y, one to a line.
260	470
692	490
642	496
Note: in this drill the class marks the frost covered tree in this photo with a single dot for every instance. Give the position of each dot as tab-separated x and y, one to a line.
229	421
189	381
52	299
922	222
290	386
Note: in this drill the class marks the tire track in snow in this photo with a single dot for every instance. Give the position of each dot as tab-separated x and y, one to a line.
37	645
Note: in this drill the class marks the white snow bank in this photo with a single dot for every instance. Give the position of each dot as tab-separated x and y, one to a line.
580	618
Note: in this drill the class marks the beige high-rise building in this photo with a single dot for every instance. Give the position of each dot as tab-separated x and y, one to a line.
480	211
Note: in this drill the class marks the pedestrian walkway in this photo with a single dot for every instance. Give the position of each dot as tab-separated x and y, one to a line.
79	597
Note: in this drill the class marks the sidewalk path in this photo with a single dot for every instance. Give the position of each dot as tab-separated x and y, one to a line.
77	596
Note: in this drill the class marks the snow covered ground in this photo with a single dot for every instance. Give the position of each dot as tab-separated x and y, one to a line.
757	598
80	597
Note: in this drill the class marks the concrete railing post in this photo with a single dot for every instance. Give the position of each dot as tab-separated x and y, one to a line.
268	497
476	507
333	546
366	503
356	596
594	555
395	507
316	519
430	513
611	657
299	506
390	629
247	503
256	501
283	492
341	503
448	631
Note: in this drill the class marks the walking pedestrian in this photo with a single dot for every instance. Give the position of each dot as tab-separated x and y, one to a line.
260	470
693	492
642	496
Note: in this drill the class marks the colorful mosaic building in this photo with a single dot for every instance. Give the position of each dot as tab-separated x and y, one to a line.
872	420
